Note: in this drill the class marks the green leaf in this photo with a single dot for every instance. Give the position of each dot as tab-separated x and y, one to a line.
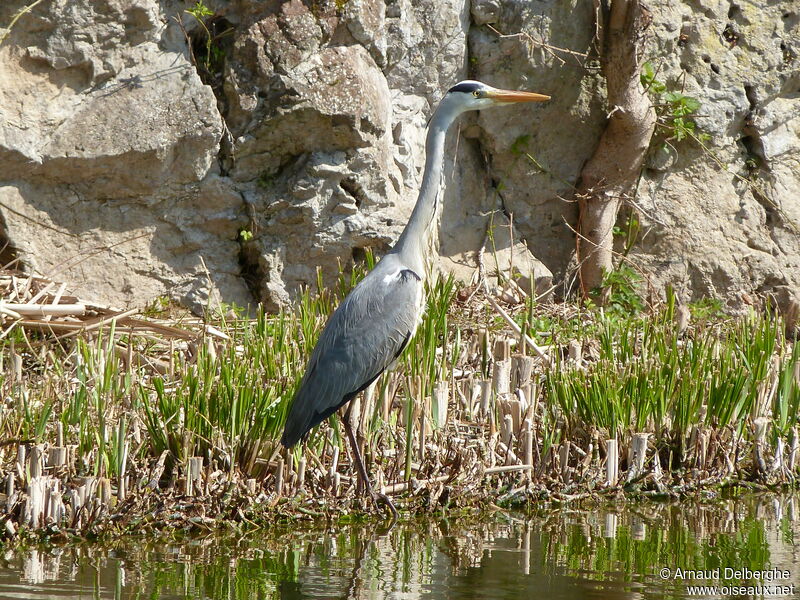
200	10
691	104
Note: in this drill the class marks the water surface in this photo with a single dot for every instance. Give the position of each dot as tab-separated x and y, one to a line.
630	551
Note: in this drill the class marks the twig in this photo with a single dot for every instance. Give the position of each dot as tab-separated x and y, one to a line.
540	351
22	11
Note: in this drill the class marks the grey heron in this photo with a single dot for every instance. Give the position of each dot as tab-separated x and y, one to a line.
375	322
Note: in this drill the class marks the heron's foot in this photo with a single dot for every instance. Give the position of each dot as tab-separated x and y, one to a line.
379	498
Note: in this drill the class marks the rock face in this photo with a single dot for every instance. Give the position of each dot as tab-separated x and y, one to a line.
133	167
723	230
108	144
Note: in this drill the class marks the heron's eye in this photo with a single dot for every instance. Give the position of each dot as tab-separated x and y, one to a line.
476	94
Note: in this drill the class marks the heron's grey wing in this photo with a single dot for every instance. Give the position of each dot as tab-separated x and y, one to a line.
365	334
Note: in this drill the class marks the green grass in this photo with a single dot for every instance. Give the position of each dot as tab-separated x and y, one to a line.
223	400
647	378
226	399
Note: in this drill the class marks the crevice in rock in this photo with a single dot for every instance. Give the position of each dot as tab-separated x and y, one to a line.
9	255
751	138
251	269
731	36
788	53
756	162
209	46
359	255
353	189
251	262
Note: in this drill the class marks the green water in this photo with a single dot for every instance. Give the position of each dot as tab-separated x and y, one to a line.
610	552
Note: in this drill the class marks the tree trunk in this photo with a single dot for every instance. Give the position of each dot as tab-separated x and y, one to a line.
610	174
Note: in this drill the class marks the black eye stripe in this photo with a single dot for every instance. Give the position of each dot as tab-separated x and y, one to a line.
467	88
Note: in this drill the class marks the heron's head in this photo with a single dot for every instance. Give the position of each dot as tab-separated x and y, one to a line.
474	95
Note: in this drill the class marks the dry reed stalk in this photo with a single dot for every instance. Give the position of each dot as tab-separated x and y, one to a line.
505	452
16	368
386	402
353	413
610	525
657	474
334	465
702	452
402	486
638	455
43	310
441	395
36	461
132	359
157	471
366	413
760	425
33	511
105	491
792	318
514	410
122	478
486	397
528	441
10	491
502	378
612	462
506	469
56	456
301	473
777	460
279	478
522	370
507	430
482	342
563	460
40	295
463	391
793	450
502	349
539	351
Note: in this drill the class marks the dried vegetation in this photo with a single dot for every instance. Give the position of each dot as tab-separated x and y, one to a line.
113	420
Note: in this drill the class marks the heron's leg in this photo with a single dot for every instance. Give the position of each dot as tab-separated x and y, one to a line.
377	497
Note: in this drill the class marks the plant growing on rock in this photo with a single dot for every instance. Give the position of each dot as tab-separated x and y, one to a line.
675	110
206	43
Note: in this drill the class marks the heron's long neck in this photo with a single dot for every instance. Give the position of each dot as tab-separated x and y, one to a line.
413	241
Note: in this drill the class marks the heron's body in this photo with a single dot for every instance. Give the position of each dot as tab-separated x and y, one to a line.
382	312
372	326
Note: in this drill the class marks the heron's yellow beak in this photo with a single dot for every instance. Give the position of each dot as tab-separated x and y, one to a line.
513	96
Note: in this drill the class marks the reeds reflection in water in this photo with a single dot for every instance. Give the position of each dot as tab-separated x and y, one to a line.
573	552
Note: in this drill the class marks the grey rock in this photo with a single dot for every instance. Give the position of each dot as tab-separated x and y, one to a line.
108	142
730	230
485	11
537	151
119	169
366	21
